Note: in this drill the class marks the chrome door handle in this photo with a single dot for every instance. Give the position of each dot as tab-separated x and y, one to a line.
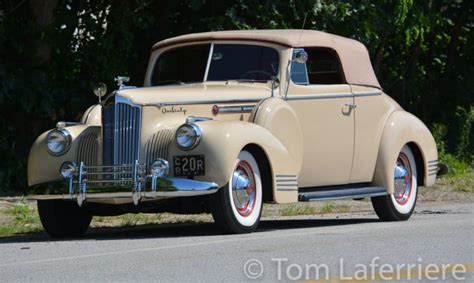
351	105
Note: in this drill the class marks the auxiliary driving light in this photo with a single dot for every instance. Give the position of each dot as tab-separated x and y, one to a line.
67	169
160	168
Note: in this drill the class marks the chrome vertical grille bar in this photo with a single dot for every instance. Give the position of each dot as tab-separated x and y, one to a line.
121	133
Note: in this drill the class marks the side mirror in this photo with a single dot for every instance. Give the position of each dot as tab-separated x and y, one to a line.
301	57
100	90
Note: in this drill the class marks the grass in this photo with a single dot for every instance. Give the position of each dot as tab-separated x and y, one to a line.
312	209
461	183
294	210
19	218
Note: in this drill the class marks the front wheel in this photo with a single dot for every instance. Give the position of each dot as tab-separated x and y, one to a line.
63	219
401	204
237	207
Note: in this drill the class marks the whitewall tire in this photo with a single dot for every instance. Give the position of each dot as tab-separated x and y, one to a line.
401	204
237	207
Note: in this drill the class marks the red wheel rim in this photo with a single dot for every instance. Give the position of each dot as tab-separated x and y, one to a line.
244	193
403	179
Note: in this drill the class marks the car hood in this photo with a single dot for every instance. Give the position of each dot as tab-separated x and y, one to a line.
196	93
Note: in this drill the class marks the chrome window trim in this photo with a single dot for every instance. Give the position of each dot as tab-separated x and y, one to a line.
209	59
294	51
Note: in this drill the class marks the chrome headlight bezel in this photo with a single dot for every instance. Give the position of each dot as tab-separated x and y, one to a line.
65	137
188	136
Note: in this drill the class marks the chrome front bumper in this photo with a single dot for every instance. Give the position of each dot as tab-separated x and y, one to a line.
129	181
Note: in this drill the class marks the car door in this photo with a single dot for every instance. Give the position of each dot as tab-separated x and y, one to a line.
324	106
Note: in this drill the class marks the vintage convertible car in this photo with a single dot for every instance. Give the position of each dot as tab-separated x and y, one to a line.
229	120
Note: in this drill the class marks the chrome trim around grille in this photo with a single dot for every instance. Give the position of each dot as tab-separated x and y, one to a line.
121	122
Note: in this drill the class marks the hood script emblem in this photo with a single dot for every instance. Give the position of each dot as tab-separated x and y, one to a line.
173	109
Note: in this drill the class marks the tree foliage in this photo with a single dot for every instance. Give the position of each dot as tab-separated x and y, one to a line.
53	50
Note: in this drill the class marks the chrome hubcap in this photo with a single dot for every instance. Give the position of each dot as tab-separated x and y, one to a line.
243	188
403	175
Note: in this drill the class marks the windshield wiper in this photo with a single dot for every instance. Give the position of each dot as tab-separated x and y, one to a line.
170	82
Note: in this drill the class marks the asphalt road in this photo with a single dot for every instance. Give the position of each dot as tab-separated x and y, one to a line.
281	249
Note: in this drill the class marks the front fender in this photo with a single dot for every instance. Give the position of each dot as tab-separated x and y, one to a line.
44	167
404	128
223	140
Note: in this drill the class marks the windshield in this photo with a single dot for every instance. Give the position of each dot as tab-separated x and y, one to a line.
239	62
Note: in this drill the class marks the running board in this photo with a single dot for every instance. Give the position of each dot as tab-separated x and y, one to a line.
333	193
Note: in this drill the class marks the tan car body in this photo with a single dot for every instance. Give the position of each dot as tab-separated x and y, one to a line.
308	135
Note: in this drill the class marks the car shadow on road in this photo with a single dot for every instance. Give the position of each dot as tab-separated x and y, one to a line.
179	230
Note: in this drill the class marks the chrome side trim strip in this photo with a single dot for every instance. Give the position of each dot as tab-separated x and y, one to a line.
319	96
189	102
236	108
285	176
332	95
287	190
287	185
362	94
433	161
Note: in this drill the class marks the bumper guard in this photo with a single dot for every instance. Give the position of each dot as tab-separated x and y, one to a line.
126	181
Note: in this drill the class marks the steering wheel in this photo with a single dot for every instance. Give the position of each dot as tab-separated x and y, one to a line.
246	74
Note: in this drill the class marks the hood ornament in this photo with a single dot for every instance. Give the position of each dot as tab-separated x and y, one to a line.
121	80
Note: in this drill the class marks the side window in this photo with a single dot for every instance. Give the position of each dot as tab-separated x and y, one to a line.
322	68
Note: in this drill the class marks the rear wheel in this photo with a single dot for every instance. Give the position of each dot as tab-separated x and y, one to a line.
62	218
237	207
401	204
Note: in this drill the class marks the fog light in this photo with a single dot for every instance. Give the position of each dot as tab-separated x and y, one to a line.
67	169
160	168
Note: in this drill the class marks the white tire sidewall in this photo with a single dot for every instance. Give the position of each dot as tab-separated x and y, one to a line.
408	206
253	217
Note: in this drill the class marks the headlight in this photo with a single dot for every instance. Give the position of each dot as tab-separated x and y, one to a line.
188	136
58	141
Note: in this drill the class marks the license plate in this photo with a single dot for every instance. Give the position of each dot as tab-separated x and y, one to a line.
190	165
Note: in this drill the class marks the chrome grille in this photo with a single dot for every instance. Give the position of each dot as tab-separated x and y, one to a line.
157	146
121	133
88	147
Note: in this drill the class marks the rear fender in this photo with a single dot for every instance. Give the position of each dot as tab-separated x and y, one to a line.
404	128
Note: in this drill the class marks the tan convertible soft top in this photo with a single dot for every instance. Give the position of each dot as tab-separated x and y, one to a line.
354	56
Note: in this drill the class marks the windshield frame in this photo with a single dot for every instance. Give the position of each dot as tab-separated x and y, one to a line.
279	49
